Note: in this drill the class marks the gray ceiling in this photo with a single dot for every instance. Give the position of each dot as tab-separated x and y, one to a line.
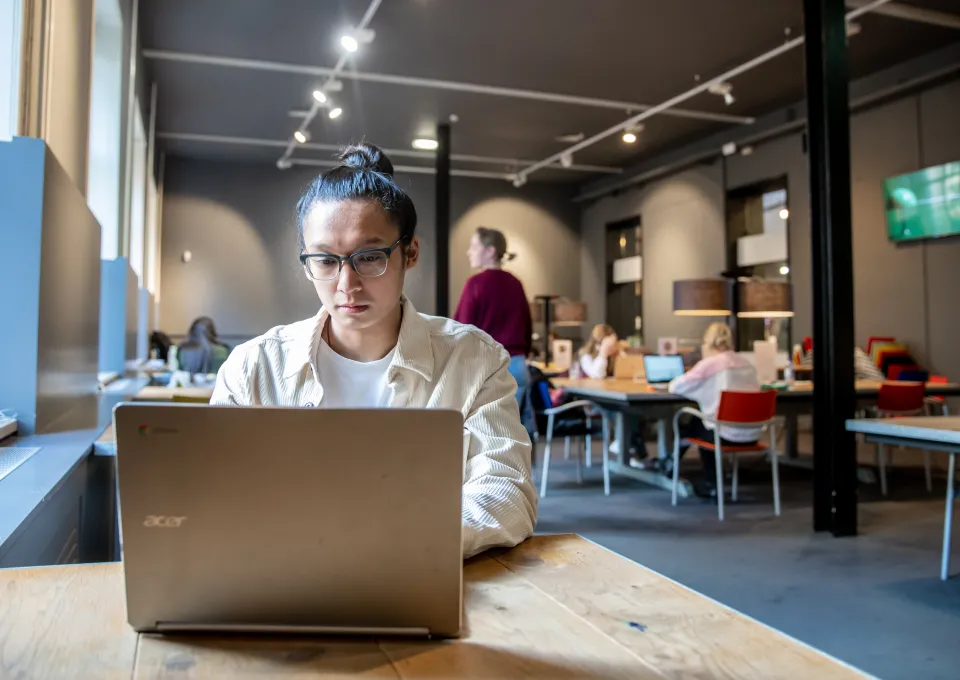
639	51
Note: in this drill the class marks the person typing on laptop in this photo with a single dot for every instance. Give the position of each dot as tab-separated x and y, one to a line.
368	347
720	369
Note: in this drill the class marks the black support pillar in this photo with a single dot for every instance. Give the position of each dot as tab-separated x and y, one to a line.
443	219
835	458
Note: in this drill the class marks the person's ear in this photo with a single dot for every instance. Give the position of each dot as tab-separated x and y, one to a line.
412	253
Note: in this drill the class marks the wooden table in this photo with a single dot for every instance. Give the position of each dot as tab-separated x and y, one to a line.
938	433
555	607
198	395
635	398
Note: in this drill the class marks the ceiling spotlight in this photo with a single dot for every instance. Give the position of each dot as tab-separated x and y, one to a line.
629	137
729	148
519	181
335	113
784	270
853	29
319	96
284	164
571	138
784	213
300	137
746	151
723	89
454	118
426	144
349	43
566	160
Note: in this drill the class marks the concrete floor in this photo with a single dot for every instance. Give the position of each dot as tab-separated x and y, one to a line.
874	601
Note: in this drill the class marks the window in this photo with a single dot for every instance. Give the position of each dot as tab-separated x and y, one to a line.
106	108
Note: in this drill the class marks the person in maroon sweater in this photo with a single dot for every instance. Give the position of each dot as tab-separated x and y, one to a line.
494	301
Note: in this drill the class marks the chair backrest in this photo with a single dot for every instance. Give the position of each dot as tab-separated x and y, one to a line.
747	407
538	399
901	397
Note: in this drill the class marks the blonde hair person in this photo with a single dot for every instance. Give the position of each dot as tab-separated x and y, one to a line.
721	369
596	355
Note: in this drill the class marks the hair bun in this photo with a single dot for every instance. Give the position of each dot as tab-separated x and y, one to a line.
367	157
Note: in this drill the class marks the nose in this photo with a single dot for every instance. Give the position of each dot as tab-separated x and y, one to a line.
348	281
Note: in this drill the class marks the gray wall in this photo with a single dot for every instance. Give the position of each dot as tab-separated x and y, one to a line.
903	290
682	218
237	220
49	255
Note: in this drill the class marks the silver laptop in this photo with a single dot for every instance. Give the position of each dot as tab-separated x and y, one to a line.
291	520
660	369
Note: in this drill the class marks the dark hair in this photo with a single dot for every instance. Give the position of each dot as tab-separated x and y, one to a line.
493	238
195	354
364	173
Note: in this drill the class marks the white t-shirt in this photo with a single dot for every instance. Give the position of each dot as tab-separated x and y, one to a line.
352	384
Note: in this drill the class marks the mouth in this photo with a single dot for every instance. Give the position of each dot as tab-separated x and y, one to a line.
353	308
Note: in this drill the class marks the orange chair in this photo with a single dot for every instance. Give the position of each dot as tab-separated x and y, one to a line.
736	409
897	400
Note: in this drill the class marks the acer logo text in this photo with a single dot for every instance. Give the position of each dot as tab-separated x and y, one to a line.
163	522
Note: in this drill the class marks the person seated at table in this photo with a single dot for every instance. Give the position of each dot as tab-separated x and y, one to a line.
202	352
596	357
368	347
720	369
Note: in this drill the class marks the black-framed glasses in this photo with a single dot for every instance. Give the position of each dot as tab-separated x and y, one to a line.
367	263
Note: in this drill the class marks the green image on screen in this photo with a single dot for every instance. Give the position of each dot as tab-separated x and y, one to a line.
923	204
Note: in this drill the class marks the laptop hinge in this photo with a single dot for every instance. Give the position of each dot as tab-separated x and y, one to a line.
185	627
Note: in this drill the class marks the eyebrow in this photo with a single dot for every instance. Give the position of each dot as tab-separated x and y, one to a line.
372	241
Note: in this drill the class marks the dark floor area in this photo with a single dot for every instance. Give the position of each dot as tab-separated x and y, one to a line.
874	601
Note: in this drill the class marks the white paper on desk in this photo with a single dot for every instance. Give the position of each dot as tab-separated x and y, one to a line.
765	357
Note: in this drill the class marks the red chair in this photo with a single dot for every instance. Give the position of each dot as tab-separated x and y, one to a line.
897	400
736	410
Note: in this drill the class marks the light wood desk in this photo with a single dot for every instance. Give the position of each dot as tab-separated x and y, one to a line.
199	395
555	607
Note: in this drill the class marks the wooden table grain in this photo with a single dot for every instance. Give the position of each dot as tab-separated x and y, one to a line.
554	607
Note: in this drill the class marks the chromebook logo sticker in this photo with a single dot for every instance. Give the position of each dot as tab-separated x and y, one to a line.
144	430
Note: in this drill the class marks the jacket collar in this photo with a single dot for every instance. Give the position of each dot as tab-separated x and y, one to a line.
414	349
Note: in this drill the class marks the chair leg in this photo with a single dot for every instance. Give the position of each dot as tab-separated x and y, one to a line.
566	448
605	456
546	458
580	450
736	478
718	455
589	442
882	467
948	516
774	465
676	467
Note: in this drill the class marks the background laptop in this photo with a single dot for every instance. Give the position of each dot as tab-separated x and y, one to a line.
291	520
661	369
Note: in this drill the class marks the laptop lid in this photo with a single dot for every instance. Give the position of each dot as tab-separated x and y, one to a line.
275	519
662	368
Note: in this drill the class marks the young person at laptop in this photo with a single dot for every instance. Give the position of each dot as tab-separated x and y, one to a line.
720	369
596	357
368	347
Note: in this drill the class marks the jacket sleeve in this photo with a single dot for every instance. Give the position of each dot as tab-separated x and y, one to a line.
234	378
499	498
594	367
688	383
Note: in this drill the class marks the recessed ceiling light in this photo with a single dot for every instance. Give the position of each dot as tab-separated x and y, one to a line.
335	113
300	137
784	213
425	144
319	96
349	43
629	137
784	270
